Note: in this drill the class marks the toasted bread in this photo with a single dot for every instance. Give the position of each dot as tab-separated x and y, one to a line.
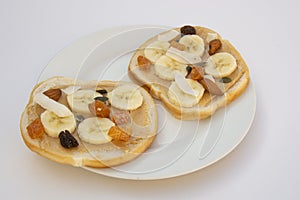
209	103
85	154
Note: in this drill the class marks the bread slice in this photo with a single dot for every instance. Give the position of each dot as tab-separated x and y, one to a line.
100	155
208	104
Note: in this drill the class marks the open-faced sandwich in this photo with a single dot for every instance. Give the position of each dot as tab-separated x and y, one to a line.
192	70
96	124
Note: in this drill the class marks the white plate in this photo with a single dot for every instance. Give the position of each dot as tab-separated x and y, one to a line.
181	147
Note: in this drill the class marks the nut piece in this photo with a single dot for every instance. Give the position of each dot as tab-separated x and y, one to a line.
214	46
197	73
188	30
54	94
143	63
211	87
177	45
117	134
35	129
99	109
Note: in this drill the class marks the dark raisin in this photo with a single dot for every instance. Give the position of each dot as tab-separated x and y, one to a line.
103	99
188	30
225	80
102	91
67	140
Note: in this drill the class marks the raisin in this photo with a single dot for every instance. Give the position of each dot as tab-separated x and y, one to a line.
143	63
67	140
214	46
99	109
103	99
188	30
118	134
35	129
102	91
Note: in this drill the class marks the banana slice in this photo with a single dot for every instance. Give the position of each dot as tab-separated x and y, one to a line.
155	50
125	97
94	130
194	49
220	65
54	124
51	105
79	100
180	98
165	67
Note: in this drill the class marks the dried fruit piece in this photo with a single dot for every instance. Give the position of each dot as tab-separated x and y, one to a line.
67	140
143	63
121	117
117	134
35	129
197	73
188	30
180	47
99	109
211	87
214	46
54	94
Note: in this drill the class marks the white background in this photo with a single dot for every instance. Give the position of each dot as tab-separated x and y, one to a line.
264	166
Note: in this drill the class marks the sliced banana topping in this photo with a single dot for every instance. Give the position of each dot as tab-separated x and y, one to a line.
220	65
180	98
155	50
165	67
51	105
79	100
194	49
126	97
94	130
54	124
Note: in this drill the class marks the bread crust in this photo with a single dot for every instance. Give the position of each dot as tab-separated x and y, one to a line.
87	154
210	104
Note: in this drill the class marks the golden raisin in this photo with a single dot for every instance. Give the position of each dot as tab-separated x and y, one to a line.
35	129
117	134
214	46
143	63
99	109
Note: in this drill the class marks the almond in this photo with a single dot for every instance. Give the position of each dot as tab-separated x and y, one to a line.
54	94
214	46
211	87
197	73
